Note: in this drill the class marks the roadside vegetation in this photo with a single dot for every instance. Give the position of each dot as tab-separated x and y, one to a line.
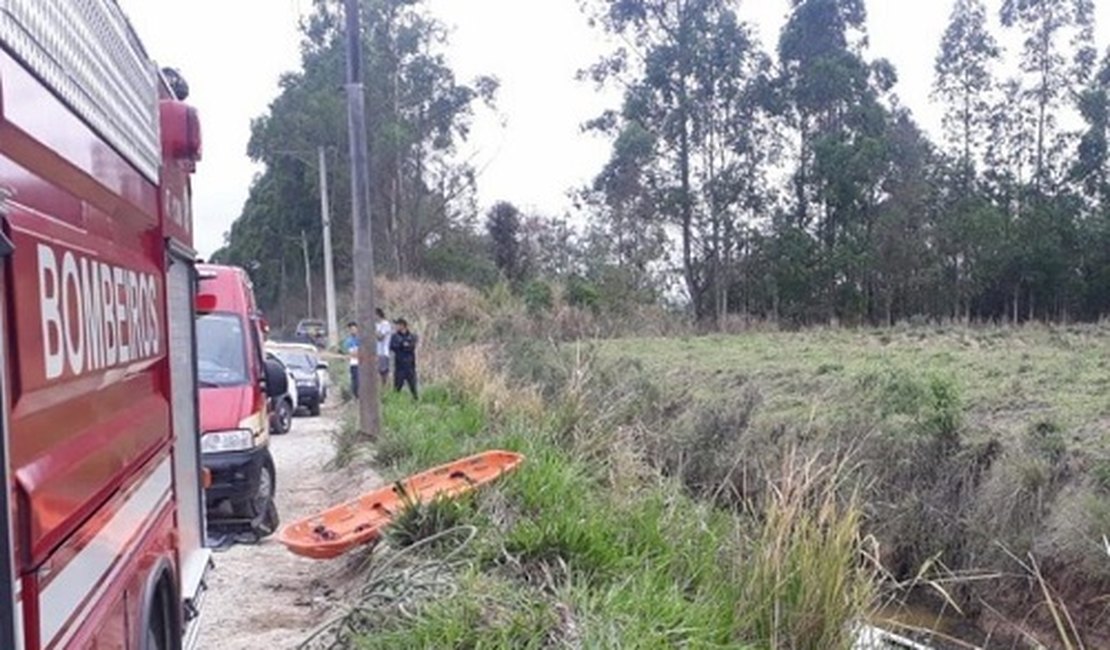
588	545
761	490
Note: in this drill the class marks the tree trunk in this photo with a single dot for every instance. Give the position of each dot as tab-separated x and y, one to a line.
692	284
967	167
801	179
398	170
1046	48
281	294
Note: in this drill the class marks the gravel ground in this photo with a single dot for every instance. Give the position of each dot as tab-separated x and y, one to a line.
262	596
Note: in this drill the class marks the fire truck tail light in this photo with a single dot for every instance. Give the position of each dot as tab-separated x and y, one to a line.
180	132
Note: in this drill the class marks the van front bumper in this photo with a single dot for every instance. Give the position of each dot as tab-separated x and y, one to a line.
235	479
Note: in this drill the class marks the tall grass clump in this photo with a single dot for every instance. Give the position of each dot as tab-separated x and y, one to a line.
805	579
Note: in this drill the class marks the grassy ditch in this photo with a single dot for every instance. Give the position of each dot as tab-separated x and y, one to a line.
759	491
589	544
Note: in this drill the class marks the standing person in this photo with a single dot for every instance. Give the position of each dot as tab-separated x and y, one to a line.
385	333
403	345
350	346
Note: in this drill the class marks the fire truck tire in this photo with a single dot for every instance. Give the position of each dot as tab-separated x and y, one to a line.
158	626
263	507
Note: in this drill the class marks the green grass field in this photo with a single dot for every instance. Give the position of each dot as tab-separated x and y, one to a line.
1008	380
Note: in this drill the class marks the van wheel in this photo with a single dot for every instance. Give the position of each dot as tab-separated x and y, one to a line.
314	408
283	419
263	507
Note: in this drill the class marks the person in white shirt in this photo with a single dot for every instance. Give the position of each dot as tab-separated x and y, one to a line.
384	331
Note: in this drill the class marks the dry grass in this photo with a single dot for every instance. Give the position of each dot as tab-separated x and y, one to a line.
469	372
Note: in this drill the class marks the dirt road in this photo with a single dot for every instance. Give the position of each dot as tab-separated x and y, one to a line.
261	596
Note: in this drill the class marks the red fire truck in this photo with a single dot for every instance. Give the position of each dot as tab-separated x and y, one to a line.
102	522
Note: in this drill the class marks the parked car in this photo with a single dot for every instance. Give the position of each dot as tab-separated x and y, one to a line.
323	371
311	330
283	406
310	373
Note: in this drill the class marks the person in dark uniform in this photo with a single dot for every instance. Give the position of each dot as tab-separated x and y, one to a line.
403	346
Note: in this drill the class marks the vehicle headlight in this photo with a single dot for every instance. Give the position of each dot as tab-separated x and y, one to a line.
215	442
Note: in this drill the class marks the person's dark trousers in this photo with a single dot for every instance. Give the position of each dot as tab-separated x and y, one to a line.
405	375
354	381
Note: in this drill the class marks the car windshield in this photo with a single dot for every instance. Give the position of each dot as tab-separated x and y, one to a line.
296	360
221	353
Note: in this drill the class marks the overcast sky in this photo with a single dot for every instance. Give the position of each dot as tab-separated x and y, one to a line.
531	152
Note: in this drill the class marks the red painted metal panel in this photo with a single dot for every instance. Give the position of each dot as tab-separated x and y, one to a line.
40	133
121	603
89	397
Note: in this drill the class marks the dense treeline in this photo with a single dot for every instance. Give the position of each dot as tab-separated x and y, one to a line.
787	184
799	188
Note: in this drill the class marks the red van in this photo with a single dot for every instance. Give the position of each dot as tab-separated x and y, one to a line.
236	381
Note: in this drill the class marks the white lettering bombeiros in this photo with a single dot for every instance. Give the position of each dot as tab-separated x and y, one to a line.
94	315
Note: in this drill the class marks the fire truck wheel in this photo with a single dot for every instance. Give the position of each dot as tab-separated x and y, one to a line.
153	640
158	627
264	514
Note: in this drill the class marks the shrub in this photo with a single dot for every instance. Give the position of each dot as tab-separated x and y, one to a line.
931	402
582	293
538	297
943	411
420	520
1100	474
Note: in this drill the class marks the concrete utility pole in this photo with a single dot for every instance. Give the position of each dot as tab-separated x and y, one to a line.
325	220
329	274
307	272
369	416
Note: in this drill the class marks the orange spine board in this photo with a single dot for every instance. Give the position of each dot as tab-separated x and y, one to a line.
360	521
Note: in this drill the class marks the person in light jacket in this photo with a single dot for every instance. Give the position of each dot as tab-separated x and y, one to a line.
384	332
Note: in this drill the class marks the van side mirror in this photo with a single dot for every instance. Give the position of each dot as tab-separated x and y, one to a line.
322	365
277	382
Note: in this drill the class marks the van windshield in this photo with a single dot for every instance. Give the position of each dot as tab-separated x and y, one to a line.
221	351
